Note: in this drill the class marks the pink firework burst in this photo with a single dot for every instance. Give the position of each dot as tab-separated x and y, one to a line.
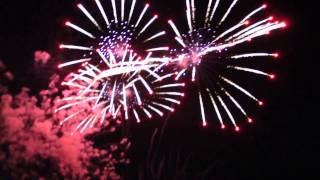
208	43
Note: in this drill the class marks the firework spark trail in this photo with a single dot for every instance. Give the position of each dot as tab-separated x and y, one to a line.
250	27
228	12
122	9
235	102
250	70
103	13
254	12
208	12
79	29
180	41
74	62
228	111
180	74
216	109
132	9
62	46
204	123
189	18
148	24
160	113
193	10
239	88
214	10
147	113
89	16
175	29
155	36
199	44
251	55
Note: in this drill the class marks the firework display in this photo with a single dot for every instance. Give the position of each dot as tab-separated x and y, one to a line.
126	73
207	45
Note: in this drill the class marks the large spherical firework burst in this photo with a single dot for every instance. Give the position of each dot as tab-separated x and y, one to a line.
206	46
120	88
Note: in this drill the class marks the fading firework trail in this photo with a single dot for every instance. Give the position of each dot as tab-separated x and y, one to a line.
207	42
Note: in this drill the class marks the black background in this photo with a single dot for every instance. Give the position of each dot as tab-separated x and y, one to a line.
280	143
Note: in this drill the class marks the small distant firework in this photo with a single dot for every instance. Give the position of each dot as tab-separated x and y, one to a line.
207	42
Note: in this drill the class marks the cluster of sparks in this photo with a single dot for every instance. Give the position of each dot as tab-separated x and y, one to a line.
120	78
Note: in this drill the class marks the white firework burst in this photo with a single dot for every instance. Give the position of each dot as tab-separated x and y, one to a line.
122	88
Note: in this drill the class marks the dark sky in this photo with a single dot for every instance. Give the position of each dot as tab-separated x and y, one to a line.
275	147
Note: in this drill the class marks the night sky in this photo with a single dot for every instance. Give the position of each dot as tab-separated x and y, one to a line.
276	146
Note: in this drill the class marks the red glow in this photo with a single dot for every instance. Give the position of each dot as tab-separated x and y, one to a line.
156	15
261	103
204	124
276	55
247	22
79	5
237	129
194	57
285	24
250	120
60	46
223	126
272	76
128	92
264	6
67	23
271	18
